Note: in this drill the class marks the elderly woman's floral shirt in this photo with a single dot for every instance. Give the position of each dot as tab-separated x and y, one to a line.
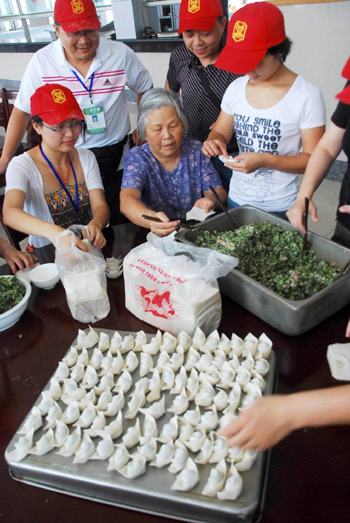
172	193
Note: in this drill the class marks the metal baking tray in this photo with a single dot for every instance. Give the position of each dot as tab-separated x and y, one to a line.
292	317
149	493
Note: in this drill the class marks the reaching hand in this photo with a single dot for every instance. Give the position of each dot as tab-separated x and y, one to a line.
206	204
260	424
95	235
295	213
215	148
165	227
17	260
246	162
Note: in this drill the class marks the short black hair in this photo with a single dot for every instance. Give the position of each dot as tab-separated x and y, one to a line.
283	49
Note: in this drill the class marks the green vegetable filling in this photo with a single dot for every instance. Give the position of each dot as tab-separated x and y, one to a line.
11	293
274	258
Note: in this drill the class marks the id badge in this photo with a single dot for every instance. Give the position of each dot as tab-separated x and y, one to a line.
95	119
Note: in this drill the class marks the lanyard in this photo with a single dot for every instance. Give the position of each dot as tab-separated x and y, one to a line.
82	83
76	206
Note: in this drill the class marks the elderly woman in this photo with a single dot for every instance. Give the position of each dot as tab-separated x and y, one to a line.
169	174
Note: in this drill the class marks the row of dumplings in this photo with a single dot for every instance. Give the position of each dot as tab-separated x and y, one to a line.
217	373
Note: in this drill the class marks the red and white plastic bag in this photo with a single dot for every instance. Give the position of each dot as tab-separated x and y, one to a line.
173	286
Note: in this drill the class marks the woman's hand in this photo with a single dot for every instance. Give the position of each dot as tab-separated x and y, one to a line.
95	235
17	260
295	213
205	203
345	208
165	227
66	240
260	424
347	332
215	147
246	162
220	135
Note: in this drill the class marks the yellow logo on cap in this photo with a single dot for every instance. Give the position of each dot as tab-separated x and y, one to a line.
58	96
239	31
193	6
77	6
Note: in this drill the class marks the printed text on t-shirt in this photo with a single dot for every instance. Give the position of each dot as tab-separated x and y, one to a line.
261	135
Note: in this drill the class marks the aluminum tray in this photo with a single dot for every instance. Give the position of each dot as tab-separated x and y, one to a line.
292	317
151	492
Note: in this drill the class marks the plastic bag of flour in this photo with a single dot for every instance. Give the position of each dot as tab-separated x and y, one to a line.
83	277
173	286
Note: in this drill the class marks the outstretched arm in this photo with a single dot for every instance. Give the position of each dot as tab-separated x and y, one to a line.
14	133
268	420
18	219
17	260
319	163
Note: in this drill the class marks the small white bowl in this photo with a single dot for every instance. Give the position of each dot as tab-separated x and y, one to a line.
45	276
9	318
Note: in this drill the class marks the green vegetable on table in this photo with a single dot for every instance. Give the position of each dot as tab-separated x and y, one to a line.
11	293
274	258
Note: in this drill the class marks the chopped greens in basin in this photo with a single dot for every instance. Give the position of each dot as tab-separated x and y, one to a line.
11	293
274	258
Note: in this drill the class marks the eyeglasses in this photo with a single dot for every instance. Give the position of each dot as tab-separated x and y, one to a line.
64	128
89	33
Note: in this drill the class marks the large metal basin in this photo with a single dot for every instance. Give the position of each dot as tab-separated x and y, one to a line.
288	316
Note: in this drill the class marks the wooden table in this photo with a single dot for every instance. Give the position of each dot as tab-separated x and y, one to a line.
308	480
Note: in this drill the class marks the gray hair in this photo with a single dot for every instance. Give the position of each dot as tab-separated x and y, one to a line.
157	98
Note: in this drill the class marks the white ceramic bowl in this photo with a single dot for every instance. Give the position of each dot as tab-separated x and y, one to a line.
45	276
9	318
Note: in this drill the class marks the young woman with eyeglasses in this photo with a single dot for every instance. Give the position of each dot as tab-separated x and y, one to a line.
54	185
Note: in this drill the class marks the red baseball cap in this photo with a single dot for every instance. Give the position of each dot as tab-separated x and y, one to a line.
252	30
76	15
54	104
198	15
346	70
344	95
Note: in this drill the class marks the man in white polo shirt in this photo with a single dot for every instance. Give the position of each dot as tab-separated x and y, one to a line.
96	71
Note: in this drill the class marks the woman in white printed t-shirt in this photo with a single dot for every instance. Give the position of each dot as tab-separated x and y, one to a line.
273	112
